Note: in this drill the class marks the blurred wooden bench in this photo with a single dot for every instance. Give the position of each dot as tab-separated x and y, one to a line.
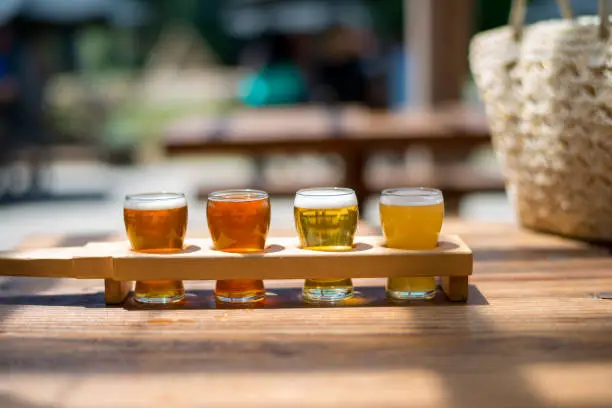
352	133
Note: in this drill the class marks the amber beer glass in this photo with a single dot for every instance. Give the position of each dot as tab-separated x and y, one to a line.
239	221
156	223
326	220
411	218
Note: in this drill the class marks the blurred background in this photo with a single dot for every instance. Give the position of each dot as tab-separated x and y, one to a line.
99	98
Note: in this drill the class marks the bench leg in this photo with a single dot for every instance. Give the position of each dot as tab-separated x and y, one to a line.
455	287
354	174
115	292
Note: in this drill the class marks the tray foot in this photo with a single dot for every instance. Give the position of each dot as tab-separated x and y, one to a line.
115	292
455	287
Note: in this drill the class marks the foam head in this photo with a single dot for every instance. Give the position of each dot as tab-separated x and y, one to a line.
411	197
325	198
155	201
238	195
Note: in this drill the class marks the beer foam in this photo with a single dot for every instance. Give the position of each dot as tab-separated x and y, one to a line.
412	198
155	201
238	196
325	198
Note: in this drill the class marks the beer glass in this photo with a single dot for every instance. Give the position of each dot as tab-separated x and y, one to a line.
238	221
411	218
326	220
156	223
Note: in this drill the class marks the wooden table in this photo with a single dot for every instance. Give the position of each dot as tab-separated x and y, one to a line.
533	334
352	133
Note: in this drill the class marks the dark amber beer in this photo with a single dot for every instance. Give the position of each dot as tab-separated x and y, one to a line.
238	221
156	223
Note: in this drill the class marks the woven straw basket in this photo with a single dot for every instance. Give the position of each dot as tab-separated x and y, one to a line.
547	89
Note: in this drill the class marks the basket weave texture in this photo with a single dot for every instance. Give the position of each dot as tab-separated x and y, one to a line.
548	98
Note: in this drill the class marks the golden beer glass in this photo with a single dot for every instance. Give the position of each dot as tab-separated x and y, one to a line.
411	218
156	223
326	220
238	221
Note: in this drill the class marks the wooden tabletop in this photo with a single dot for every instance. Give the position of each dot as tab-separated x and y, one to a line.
533	334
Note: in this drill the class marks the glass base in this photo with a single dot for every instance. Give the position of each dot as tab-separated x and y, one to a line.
413	288
159	300
327	291
398	295
159	292
238	300
238	291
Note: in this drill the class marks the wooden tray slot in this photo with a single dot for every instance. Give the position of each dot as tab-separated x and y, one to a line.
283	259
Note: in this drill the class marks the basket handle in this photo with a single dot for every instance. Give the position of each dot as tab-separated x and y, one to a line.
519	8
604	19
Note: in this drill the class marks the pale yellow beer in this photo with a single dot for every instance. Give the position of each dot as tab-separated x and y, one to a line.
326	220
156	223
411	218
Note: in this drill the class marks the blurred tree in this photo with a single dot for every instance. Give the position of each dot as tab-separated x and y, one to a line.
209	22
491	14
388	17
204	15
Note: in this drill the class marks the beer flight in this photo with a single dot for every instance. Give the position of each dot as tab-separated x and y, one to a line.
325	219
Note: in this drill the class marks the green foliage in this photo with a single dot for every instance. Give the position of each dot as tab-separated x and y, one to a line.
204	15
491	13
388	17
131	122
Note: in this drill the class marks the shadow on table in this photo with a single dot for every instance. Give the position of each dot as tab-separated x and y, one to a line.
280	298
11	401
74	240
290	298
90	300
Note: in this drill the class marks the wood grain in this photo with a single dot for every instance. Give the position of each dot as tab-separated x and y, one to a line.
532	334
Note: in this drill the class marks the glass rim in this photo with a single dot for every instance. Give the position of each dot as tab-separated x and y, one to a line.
158	196
413	192
340	191
225	195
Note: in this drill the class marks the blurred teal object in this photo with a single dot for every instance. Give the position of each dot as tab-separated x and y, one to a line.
276	84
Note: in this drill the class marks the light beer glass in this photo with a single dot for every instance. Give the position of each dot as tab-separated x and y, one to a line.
411	218
156	223
326	220
238	221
